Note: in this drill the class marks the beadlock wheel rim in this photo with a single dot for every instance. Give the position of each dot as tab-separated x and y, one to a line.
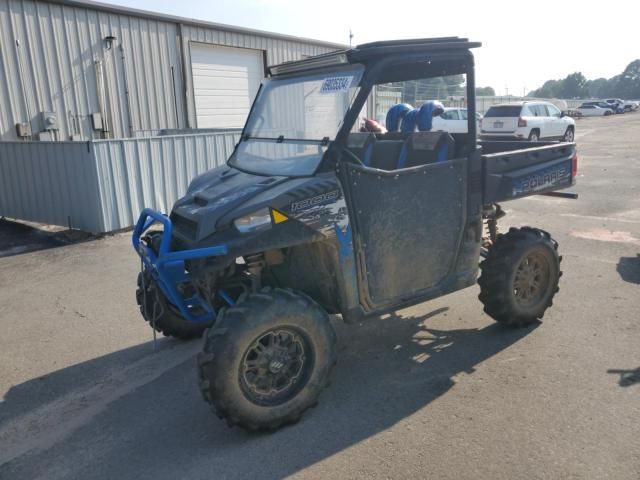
275	367
531	279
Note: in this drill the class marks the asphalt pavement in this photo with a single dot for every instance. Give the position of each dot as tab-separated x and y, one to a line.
434	391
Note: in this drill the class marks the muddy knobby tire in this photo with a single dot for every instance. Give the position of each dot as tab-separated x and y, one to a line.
169	322
506	259
222	365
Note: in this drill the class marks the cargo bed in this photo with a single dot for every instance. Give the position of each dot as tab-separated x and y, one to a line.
518	169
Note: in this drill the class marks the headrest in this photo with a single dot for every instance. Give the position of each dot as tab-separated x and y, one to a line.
395	116
409	121
426	113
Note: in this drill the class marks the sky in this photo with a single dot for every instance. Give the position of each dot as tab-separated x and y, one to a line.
523	43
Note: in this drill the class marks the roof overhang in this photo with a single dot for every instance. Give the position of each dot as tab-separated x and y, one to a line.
372	52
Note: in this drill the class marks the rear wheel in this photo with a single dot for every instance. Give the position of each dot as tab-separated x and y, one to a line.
520	276
267	359
161	314
534	136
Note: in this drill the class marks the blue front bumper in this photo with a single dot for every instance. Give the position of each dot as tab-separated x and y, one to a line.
168	268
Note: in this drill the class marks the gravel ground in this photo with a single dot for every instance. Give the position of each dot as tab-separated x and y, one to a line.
434	391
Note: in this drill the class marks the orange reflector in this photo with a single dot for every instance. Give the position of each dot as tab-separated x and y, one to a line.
278	217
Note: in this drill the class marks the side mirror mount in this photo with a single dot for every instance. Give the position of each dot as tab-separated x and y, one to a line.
563	114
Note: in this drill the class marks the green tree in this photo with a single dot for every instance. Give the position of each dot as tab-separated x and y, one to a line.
485	91
629	81
574	86
596	88
550	89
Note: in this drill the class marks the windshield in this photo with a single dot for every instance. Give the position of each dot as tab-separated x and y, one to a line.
293	121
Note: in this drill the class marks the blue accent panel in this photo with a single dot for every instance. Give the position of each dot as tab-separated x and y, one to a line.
409	121
168	268
443	154
345	242
395	116
368	154
402	160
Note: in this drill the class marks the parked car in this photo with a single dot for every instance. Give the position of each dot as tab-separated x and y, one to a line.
527	121
453	120
589	110
602	104
630	105
616	104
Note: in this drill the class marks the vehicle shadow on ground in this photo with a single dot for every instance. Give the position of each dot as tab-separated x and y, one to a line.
17	238
388	369
627	377
629	269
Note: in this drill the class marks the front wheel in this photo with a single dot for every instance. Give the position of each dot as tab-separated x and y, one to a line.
569	135
267	359
163	316
520	276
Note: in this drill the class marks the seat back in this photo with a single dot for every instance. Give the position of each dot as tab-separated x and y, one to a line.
422	148
361	145
385	154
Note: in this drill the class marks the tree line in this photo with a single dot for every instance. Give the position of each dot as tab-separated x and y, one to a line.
625	85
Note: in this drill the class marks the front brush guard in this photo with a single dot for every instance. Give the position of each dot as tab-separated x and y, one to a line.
168	268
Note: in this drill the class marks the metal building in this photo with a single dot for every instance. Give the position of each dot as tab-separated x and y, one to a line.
78	70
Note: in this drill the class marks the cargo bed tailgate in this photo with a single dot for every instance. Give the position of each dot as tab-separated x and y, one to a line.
528	171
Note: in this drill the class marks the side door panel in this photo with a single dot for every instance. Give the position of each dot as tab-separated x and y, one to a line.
408	226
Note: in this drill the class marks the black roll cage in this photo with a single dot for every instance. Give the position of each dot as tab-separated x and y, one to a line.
415	59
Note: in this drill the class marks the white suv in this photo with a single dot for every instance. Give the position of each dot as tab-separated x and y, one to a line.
531	121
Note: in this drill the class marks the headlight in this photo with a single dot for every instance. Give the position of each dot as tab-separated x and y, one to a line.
258	220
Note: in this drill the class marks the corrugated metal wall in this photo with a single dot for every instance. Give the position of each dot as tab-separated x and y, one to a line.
56	67
153	172
103	185
53	183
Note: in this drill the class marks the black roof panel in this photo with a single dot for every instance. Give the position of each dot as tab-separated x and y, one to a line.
375	50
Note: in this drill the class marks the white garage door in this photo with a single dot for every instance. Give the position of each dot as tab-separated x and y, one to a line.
225	81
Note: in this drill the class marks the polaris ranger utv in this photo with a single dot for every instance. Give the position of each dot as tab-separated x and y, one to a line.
312	217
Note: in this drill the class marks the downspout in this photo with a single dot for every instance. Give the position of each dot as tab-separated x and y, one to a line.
22	85
175	96
185	88
126	90
102	97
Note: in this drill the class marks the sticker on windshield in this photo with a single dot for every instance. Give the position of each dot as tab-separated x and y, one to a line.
336	84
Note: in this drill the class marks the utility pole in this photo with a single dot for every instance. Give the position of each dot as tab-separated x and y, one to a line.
350	37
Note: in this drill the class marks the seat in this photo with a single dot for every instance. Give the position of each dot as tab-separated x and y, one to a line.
385	154
422	148
361	144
